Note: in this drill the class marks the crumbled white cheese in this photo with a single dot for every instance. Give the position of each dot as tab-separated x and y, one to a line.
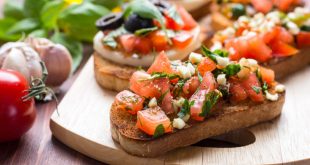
243	20
191	68
178	123
280	88
248	62
221	79
153	102
183	71
274	17
272	97
229	32
293	28
195	57
301	10
179	102
216	46
186	117
250	10
222	61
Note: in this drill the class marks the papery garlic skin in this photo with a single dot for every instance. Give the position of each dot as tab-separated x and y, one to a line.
22	58
56	57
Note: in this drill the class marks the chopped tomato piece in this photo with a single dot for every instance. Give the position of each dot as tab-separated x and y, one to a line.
208	82
148	120
166	103
129	102
196	108
237	48
263	6
267	75
159	40
188	20
172	24
250	84
206	65
143	45
237	91
303	39
281	49
258	50
191	86
269	35
283	5
283	35
181	40
161	64
127	42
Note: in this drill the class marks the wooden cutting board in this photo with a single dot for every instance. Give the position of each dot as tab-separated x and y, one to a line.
83	124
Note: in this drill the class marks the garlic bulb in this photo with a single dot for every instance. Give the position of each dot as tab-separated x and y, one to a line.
56	58
22	58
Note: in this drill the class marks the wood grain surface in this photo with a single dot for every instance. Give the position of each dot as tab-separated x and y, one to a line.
84	125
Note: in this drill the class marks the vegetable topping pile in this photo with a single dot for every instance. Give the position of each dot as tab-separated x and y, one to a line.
263	37
147	26
171	93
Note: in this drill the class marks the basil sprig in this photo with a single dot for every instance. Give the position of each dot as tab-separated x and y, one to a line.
109	39
210	100
145	31
212	55
160	130
185	109
173	13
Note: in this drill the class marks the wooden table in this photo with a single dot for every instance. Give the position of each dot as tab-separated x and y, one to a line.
38	146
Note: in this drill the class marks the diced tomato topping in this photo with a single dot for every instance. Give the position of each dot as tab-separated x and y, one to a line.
148	120
258	50
143	45
127	42
191	86
239	31
129	102
172	24
161	64
303	39
283	5
166	103
159	40
267	75
208	82
196	109
283	35
263	6
281	49
249	85
236	91
206	65
181	40
188	20
237	48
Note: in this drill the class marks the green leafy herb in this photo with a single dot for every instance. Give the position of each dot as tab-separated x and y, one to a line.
40	33
156	75
13	9
145	31
222	53
185	109
75	47
50	13
199	76
224	89
206	52
32	8
160	130
5	25
210	100
265	87
256	89
231	69
237	10
179	86
109	39
24	26
172	13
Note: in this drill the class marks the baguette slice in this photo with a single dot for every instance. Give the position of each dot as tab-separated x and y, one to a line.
223	118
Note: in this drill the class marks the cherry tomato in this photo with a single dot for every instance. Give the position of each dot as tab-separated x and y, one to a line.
16	115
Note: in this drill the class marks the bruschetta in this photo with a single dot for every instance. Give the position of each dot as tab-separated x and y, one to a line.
134	37
276	40
175	104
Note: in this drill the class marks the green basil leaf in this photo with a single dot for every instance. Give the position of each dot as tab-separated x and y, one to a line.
50	12
231	69
109	39
32	8
145	31
156	75
199	76
13	9
210	100
78	21
179	86
75	47
40	33
160	130
221	53
24	26
172	13
206	52
5	26
256	89
185	109
265	87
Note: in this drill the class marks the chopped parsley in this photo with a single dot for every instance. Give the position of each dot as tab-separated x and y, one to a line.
156	75
160	130
185	109
145	31
210	100
172	13
256	89
231	69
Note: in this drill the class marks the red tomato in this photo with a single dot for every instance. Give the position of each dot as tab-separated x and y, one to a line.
159	40
148	120
16	115
206	65
267	75
161	64
281	49
284	5
208	82
281	34
239	47
181	40
303	39
171	24
166	103
248	84
127	42
258	50
129	102
188	20
237	91
143	45
191	86
263	6
196	109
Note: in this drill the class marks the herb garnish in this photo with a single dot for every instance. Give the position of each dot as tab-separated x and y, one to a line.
199	76
172	13
156	75
145	31
160	130
179	86
256	89
109	39
231	69
265	87
210	100
185	109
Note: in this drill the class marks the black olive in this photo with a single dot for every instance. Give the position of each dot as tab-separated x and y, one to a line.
161	5
110	21
237	10
135	22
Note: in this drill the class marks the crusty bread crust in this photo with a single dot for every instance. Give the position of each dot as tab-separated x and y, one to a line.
224	118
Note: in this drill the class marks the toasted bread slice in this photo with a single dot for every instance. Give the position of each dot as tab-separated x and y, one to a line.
224	118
